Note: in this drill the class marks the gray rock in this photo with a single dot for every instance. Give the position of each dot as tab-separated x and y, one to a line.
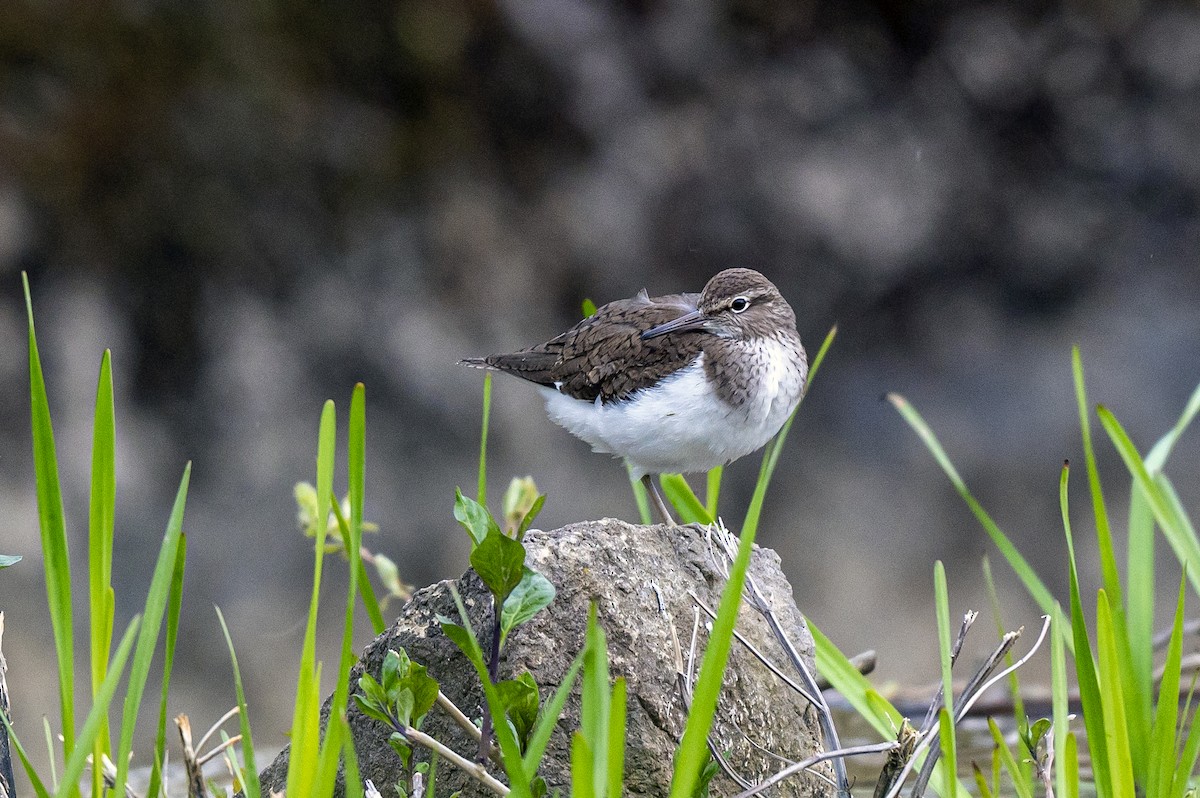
617	566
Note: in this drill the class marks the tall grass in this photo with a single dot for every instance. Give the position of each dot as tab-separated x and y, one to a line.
1138	743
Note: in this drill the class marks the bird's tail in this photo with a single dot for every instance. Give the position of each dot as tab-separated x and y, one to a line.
475	362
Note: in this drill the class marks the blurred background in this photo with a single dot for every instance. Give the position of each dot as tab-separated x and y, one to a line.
257	204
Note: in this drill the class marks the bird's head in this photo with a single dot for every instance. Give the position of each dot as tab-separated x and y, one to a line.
736	303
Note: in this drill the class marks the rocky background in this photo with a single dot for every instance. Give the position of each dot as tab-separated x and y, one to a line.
257	204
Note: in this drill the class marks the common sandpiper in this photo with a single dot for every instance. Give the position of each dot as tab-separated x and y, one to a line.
674	384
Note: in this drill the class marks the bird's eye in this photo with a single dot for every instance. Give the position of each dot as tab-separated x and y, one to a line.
739	304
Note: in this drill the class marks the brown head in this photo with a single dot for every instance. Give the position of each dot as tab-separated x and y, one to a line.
736	303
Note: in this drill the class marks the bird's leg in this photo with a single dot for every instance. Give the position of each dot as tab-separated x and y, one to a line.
652	489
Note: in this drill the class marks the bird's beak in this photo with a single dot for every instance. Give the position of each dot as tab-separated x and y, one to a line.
694	320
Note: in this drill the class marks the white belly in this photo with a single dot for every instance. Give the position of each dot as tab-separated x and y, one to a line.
681	425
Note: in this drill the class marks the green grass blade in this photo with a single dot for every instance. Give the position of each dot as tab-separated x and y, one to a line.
679	493
306	734
594	715
1186	547
639	496
302	763
69	785
35	781
582	768
1089	685
1162	450
1020	785
331	748
174	605
549	718
365	589
693	749
510	752
152	617
949	748
1108	561
101	510
1059	702
1070	758
52	525
353	779
1139	604
1162	736
1033	584
712	490
853	686
481	495
249	777
941	601
1189	754
616	739
1116	730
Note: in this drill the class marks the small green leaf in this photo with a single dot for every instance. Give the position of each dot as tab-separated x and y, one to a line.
527	521
520	699
371	709
403	704
473	517
393	668
589	308
499	560
424	690
464	640
531	595
9	559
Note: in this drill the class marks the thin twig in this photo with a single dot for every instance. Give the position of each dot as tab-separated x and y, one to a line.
195	778
938	698
204	759
771	666
108	769
755	597
959	712
805	764
213	729
7	787
460	718
473	769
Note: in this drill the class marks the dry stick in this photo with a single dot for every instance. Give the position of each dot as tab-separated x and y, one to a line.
824	716
804	764
204	759
783	677
938	697
959	713
459	717
213	729
473	769
7	789
109	769
687	688
195	778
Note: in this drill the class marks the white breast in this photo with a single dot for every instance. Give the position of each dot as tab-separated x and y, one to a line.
681	425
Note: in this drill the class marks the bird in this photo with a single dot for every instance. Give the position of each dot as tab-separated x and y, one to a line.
680	383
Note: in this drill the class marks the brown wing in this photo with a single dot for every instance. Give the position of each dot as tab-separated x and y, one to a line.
604	355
